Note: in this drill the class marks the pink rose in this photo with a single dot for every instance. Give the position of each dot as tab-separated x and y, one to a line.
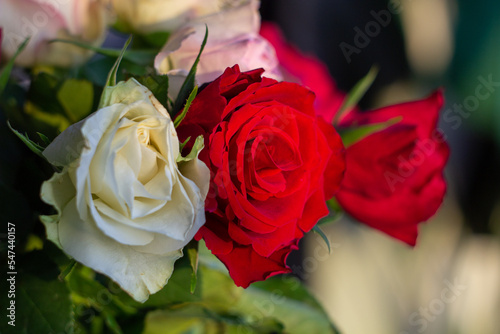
241	44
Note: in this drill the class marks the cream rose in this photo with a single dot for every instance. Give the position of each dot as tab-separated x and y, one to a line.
165	15
127	201
44	20
241	44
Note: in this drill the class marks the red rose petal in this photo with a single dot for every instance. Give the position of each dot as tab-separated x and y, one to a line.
246	266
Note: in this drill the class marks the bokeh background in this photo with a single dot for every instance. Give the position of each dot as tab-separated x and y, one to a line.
450	282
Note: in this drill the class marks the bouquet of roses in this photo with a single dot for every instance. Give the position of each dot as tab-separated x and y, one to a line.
185	163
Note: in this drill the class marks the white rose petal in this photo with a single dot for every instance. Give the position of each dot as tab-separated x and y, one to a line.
126	206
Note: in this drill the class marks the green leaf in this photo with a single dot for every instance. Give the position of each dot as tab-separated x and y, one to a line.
87	290
286	299
97	325
76	97
213	281
42	302
323	236
42	110
353	135
5	74
96	70
190	99
283	298
42	92
65	272
336	212
188	85
332	218
34	147
290	287
356	93
44	138
197	147
334	206
112	323
111	81
46	305
197	319
156	39
139	57
192	252
182	145
158	85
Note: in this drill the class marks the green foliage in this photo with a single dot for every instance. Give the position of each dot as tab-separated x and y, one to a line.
155	40
44	138
188	85
323	236
198	319
336	212
192	251
34	147
43	303
5	74
185	110
353	135
96	70
42	104
197	147
285	298
182	145
111	80
52	104
76	97
278	305
158	85
66	270
356	93
139	57
98	301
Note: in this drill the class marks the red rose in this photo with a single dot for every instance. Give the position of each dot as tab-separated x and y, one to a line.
268	153
394	178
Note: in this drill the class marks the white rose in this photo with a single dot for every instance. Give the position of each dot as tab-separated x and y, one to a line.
240	44
165	15
44	20
127	201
